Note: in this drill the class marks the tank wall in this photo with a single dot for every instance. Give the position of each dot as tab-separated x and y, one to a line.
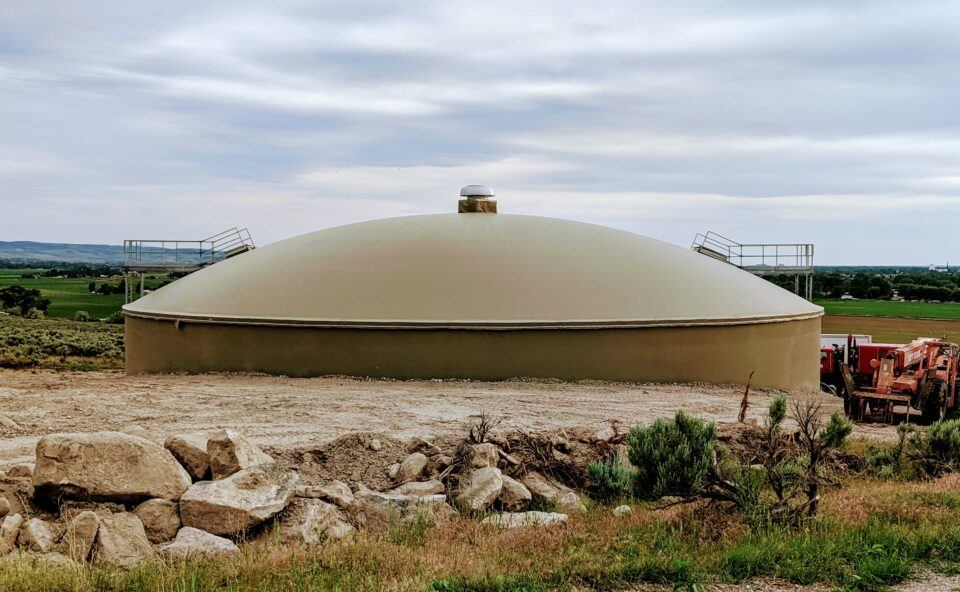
782	355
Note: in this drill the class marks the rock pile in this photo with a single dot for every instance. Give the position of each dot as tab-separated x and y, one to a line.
122	497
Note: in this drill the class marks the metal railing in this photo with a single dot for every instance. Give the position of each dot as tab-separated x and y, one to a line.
184	255
141	256
759	258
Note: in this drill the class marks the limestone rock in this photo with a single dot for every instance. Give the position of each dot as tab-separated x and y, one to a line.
540	487
106	466
9	530
230	452
570	503
80	535
442	461
418	444
160	518
36	535
412	467
244	499
622	510
22	471
521	519
191	452
4	506
310	522
605	434
514	496
336	492
420	488
479	491
484	455
121	541
377	512
392	471
375	445
193	542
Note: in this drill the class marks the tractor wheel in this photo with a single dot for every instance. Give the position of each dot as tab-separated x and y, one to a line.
935	401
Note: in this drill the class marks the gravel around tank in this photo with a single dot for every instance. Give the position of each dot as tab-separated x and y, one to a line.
283	412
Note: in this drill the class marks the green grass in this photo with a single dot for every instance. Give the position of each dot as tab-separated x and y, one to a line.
68	295
884	308
591	552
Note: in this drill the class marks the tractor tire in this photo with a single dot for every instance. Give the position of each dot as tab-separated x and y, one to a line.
934	401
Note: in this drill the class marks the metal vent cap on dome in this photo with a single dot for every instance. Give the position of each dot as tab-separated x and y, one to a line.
477	200
477	191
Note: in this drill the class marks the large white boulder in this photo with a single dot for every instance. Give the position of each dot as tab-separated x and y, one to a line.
160	518
121	541
310	522
191	451
234	504
540	487
229	452
484	455
481	489
106	466
194	543
514	495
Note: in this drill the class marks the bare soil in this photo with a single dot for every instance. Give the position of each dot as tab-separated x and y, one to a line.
292	413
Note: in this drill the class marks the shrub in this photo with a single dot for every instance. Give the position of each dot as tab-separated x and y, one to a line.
115	318
938	447
671	457
34	313
25	343
834	435
81	316
610	480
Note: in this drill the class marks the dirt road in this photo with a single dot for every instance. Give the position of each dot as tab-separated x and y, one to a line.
284	411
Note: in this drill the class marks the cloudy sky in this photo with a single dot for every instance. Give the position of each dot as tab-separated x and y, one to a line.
836	123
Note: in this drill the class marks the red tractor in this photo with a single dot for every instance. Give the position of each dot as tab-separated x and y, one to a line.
874	377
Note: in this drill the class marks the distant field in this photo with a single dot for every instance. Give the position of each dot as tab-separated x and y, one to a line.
67	295
884	308
892	329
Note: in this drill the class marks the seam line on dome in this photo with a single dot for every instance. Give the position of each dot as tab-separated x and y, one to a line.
470	326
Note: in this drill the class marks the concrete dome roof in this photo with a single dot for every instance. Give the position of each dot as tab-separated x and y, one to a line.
473	270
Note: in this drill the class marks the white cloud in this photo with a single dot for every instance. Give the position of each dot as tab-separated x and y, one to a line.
765	120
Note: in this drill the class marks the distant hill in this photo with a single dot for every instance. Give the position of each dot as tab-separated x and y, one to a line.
32	251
